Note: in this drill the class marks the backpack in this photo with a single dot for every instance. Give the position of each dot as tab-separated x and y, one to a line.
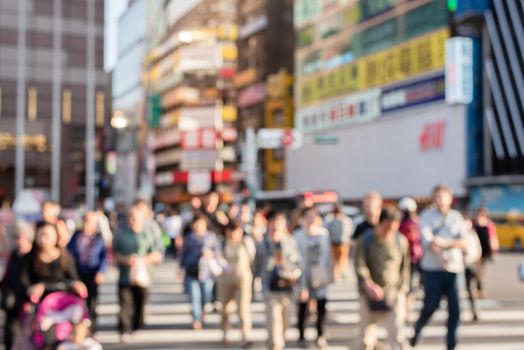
336	231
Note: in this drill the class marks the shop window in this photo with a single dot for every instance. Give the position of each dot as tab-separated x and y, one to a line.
32	104
66	106
100	108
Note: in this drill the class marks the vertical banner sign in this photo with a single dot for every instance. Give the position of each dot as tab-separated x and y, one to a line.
459	70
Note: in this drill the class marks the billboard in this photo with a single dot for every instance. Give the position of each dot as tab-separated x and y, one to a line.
418	56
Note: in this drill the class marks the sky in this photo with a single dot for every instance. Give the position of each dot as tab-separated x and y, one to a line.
113	10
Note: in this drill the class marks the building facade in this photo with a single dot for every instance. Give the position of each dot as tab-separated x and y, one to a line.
264	80
191	110
370	99
376	96
52	86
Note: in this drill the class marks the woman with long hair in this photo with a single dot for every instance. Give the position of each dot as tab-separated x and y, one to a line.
49	267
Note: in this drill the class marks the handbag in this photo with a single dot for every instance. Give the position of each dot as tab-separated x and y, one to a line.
319	277
381	305
139	274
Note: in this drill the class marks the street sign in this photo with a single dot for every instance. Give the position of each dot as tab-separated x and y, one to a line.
459	70
325	140
278	138
199	182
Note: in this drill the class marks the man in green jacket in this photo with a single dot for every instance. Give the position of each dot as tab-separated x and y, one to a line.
382	265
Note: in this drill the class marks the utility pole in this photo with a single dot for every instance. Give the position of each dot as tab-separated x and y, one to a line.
90	107
20	98
57	84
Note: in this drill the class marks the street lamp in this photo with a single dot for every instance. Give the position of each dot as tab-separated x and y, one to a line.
119	120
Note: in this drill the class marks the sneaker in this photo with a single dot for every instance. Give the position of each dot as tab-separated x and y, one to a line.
322	342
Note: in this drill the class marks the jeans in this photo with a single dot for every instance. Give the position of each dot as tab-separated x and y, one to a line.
200	293
436	285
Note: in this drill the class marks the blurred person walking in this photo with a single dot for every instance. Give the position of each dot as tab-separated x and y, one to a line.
135	251
371	206
281	272
442	232
317	272
49	267
51	215
340	228
151	226
235	282
472	256
11	285
200	243
173	226
382	265
88	248
489	242
259	232
409	227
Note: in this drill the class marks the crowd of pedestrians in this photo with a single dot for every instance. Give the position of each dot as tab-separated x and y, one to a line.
233	254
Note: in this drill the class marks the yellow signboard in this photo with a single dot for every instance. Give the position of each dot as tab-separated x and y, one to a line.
418	56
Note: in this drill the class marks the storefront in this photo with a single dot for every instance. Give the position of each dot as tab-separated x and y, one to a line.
404	152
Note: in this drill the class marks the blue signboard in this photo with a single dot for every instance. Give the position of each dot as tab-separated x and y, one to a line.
411	94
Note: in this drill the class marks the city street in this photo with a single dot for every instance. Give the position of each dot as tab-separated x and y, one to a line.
501	326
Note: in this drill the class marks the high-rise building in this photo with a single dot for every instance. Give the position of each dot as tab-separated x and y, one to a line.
388	102
138	29
191	100
264	80
52	90
370	99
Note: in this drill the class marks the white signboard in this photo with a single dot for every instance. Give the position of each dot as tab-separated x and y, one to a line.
193	118
355	108
278	138
459	70
199	182
198	160
200	57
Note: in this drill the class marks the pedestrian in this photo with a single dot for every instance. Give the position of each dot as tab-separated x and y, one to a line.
235	283
200	244
173	226
135	251
280	278
151	226
317	272
442	232
48	266
487	233
258	233
51	215
88	248
471	258
11	286
340	228
409	227
371	205
382	265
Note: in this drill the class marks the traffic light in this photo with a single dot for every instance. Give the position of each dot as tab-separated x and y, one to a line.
452	5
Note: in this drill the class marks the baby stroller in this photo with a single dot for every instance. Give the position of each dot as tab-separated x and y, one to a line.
59	321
